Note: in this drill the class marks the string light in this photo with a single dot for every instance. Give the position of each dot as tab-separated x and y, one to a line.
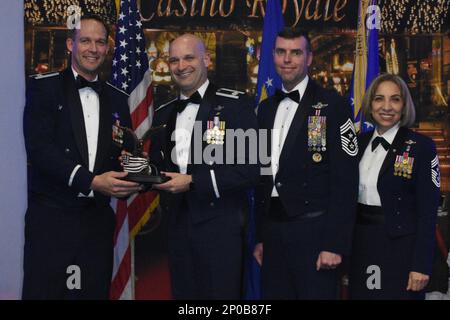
429	16
397	15
53	12
413	16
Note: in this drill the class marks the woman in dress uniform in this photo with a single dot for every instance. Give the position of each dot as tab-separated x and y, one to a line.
394	238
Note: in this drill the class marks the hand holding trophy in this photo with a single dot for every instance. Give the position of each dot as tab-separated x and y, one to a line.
138	166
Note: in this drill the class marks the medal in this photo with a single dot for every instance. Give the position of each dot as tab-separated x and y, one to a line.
403	165
317	133
317	157
215	133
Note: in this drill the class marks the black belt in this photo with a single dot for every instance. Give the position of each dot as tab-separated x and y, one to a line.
278	213
369	215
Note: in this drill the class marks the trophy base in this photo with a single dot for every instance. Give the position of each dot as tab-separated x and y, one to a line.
145	178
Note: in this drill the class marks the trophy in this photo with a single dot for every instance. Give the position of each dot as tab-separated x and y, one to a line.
139	168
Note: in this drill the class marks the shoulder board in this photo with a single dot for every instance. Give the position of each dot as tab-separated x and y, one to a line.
114	87
229	93
44	75
165	105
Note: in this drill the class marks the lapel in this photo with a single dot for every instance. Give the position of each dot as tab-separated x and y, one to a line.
268	120
104	129
208	102
76	114
297	123
399	139
202	115
363	141
170	144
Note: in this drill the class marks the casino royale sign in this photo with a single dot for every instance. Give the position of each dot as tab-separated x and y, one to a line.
246	14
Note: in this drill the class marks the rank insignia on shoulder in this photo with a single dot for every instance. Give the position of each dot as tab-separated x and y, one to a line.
44	75
348	138
229	93
320	105
435	173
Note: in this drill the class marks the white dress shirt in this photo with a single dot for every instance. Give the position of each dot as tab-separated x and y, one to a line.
90	104
283	119
183	135
370	166
183	130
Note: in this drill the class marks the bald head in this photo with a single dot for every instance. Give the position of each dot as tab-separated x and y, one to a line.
188	61
189	39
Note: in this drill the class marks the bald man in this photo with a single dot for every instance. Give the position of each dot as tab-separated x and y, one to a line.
206	196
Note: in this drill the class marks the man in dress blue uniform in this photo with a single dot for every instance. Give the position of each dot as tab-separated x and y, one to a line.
306	206
73	171
205	197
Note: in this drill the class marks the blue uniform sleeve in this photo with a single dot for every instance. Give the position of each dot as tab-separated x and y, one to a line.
343	184
40	117
427	196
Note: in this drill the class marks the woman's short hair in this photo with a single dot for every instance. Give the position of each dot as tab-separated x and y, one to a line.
408	111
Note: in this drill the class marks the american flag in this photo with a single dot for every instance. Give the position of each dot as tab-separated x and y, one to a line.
130	73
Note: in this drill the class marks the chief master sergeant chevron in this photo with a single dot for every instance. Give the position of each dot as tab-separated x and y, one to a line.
68	137
205	200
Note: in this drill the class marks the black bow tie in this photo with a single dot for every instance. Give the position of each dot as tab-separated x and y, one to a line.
383	142
83	83
194	98
293	95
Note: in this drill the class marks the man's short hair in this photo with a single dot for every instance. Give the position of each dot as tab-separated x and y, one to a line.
72	32
292	33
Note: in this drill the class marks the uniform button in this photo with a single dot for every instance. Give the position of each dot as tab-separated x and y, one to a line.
399	227
211	204
398	212
67	150
306	202
278	185
399	198
305	184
